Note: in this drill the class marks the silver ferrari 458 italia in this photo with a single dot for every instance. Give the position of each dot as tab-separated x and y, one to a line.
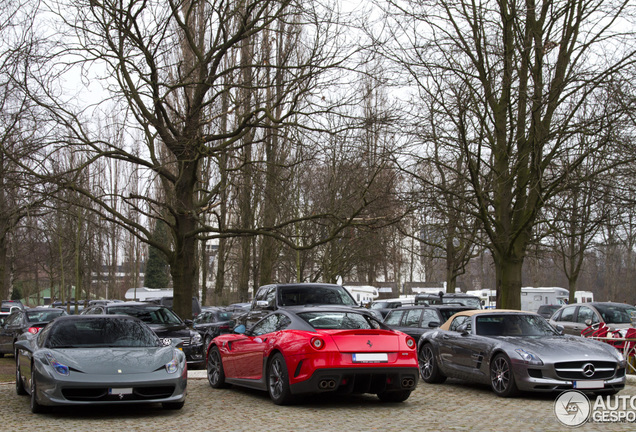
516	351
86	359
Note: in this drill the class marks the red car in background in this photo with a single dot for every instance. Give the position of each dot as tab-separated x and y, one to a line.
309	350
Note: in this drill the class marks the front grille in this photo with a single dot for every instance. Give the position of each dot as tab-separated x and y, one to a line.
576	370
101	393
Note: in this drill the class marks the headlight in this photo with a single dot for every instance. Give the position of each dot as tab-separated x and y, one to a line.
196	338
57	366
173	366
528	357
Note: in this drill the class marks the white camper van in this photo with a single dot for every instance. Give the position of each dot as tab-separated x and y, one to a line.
532	298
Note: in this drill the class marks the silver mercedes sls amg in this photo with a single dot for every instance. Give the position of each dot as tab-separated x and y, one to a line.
516	351
86	359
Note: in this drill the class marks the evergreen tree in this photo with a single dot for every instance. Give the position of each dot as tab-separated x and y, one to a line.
157	273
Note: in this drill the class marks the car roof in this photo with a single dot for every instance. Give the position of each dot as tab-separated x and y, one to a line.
438	306
473	312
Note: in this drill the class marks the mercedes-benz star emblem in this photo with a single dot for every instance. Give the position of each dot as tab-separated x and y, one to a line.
588	370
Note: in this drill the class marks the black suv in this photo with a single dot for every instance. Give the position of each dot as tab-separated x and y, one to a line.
268	298
162	320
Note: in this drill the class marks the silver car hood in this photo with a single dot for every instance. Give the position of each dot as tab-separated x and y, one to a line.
562	348
106	361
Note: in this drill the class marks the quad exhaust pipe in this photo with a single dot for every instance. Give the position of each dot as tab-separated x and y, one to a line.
327	384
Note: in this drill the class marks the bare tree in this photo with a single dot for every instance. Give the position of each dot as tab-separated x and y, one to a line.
528	72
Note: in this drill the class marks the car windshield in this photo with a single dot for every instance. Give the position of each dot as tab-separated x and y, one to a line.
616	313
44	316
100	332
308	295
339	320
513	325
148	314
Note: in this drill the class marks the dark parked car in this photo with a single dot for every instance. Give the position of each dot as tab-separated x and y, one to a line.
577	317
211	322
163	321
169	301
83	359
546	311
516	351
269	298
24	320
417	320
452	298
8	306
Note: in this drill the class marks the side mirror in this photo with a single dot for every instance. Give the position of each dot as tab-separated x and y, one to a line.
588	322
433	324
262	304
188	322
240	329
559	329
464	329
23	345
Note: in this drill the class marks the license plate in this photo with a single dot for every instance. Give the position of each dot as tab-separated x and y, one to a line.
371	358
120	391
594	384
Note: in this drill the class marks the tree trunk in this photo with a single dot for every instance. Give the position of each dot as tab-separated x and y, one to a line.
508	272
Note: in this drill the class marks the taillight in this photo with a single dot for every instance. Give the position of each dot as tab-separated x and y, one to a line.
317	343
34	330
410	342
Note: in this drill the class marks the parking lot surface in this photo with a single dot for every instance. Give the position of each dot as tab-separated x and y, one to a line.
453	406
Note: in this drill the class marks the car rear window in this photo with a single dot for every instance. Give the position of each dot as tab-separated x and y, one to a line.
339	320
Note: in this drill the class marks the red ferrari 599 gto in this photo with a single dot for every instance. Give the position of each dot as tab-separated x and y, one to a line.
304	350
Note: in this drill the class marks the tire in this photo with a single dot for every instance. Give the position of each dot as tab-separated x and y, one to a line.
502	379
36	408
429	369
278	380
19	384
173	405
216	374
394	396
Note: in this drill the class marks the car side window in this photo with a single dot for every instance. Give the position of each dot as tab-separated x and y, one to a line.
14	319
394	317
429	316
585	313
412	318
270	323
567	314
458	321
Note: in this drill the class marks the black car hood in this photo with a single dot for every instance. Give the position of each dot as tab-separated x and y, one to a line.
171	331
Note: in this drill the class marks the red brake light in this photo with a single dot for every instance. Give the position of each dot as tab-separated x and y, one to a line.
34	330
410	342
317	343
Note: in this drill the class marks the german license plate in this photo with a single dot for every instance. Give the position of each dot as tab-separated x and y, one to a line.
371	358
593	384
120	391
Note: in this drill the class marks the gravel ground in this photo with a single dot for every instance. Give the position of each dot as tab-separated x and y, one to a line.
453	406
